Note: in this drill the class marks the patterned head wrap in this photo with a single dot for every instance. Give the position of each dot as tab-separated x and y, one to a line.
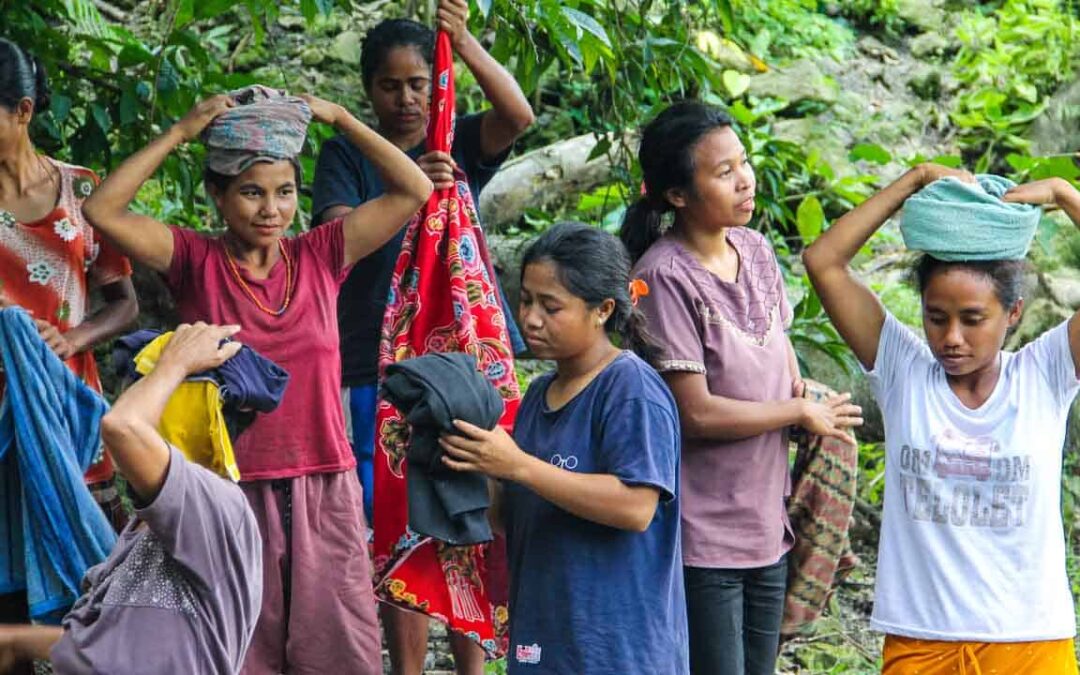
952	220
265	126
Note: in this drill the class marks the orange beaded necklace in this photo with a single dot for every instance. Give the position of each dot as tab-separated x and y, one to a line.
247	289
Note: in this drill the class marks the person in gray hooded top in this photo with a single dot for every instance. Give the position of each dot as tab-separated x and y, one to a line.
181	591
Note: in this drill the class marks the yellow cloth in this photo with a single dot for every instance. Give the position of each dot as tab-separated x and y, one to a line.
193	420
908	656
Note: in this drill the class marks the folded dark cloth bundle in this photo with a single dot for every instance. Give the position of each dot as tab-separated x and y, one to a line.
432	391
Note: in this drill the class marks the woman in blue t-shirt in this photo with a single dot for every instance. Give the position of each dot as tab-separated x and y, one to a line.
587	485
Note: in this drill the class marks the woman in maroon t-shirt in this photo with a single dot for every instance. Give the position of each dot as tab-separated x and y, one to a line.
297	470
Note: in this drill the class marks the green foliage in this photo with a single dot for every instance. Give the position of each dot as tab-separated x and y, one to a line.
1009	61
633	56
872	472
784	29
813	332
874	15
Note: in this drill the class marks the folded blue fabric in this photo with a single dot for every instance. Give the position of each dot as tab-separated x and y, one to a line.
50	426
247	381
953	220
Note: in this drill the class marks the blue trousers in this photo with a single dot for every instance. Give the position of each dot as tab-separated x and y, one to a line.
360	404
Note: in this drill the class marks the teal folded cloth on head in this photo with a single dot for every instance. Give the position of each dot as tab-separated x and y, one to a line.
953	220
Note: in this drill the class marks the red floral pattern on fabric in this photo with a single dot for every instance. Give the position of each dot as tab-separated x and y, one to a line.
443	298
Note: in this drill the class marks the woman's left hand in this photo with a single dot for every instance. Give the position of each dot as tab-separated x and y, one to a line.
453	17
493	453
1046	191
322	110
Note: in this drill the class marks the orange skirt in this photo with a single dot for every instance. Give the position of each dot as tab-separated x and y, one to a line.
908	656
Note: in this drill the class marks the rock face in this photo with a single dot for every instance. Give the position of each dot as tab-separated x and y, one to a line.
883	95
1057	130
799	81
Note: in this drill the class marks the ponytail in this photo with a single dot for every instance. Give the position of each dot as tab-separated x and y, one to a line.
637	339
642	225
42	93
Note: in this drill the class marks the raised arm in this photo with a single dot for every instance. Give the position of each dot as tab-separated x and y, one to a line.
373	223
130	428
510	113
140	237
854	309
1060	193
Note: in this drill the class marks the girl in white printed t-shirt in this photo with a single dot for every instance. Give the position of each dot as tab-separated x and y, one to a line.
971	566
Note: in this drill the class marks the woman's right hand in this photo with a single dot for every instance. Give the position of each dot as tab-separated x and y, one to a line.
324	111
930	172
831	417
200	116
194	348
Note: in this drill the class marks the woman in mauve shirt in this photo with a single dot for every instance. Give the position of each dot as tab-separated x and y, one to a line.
718	310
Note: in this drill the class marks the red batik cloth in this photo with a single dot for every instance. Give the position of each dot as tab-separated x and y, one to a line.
443	298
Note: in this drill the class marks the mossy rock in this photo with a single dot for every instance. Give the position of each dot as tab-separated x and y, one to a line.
799	81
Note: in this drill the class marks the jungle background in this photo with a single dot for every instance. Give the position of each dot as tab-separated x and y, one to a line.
833	99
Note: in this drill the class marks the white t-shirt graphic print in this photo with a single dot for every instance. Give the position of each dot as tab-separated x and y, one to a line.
972	544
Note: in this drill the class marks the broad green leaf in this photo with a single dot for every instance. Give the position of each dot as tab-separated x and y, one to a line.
570	45
208	9
168	79
951	161
60	106
601	147
101	116
1055	167
1019	163
310	10
129	106
1026	91
741	114
585	22
134	53
735	82
185	12
871	153
809	218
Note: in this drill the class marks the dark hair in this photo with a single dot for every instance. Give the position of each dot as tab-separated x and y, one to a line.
666	156
221	182
22	75
594	266
388	35
1006	275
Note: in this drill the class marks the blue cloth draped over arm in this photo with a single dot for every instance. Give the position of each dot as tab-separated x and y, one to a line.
50	432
